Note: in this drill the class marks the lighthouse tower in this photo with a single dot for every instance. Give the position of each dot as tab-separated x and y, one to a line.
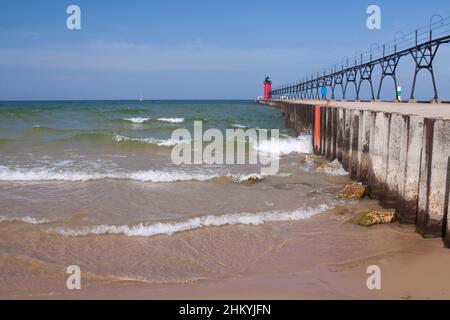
267	89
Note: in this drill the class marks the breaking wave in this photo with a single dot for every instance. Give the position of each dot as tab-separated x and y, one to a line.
137	120
334	168
43	174
169	228
7	174
285	146
172	120
158	142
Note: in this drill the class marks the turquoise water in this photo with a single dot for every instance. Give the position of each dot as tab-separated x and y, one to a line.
79	140
92	183
105	167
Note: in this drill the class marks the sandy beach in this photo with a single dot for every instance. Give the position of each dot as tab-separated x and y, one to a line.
322	258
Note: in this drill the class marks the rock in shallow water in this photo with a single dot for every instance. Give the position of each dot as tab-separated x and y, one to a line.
253	179
250	179
334	168
309	159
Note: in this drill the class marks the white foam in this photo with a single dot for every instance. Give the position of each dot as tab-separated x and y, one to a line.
285	146
42	174
246	177
137	120
239	126
158	142
172	120
336	169
26	219
148	230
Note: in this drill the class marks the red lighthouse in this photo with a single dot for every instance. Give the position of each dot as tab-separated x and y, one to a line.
267	89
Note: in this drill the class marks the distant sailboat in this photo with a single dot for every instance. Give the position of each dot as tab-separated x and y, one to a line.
140	97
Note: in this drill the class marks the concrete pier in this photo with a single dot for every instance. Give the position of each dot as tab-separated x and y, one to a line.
401	151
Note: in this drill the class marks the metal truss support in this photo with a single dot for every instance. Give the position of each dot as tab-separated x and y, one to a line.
365	75
424	57
389	68
350	77
338	80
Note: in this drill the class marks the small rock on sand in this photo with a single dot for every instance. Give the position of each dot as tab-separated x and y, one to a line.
374	218
353	191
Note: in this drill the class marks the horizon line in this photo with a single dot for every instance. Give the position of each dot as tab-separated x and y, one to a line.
144	100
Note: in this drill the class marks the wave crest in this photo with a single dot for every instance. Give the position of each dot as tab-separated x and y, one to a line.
137	120
26	219
149	230
7	174
157	142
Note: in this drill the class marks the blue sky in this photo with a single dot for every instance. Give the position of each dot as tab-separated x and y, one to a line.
192	49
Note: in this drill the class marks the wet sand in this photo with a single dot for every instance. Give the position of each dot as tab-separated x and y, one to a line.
324	257
301	257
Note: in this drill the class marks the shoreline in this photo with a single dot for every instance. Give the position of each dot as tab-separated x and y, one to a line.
324	257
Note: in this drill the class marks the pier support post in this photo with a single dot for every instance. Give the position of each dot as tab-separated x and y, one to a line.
365	119
433	179
346	139
340	134
410	157
329	133
323	130
354	139
378	153
446	229
391	185
334	133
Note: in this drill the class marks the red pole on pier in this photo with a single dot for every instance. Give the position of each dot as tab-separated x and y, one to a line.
317	128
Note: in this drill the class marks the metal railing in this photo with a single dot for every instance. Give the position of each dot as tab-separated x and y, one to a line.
422	45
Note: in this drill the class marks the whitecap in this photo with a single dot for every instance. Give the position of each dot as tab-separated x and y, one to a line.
239	126
137	120
158	142
172	120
